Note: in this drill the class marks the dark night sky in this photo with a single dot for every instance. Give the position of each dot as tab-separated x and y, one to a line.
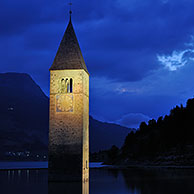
140	54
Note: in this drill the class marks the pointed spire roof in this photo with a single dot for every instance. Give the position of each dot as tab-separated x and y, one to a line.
69	54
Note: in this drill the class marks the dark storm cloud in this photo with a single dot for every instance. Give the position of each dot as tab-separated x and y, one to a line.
16	16
131	37
122	65
120	40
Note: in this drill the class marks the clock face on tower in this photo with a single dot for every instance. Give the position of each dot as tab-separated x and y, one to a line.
64	103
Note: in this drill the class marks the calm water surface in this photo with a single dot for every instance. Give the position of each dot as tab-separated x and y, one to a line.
102	181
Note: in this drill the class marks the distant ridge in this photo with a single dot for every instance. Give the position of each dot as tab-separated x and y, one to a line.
103	135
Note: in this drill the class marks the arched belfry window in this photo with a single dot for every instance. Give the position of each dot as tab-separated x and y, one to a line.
66	85
71	85
62	86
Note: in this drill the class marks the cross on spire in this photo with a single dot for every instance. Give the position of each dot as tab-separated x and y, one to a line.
70	11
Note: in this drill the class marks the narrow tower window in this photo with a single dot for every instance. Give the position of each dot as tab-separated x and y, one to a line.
62	86
71	85
67	85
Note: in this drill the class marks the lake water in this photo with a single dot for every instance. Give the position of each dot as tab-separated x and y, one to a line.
102	181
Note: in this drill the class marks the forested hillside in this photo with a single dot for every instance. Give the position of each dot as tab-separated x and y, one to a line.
167	141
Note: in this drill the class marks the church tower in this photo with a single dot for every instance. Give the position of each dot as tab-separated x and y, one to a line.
69	112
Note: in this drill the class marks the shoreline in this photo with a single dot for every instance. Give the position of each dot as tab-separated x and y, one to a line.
14	169
23	165
34	165
125	167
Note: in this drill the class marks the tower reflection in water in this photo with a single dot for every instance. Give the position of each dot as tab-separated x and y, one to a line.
85	187
68	187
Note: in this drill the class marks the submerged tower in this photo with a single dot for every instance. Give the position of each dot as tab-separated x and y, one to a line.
69	112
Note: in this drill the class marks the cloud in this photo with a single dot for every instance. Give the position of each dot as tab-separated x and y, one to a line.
177	60
133	120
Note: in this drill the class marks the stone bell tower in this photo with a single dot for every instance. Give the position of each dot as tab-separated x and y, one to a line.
69	112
